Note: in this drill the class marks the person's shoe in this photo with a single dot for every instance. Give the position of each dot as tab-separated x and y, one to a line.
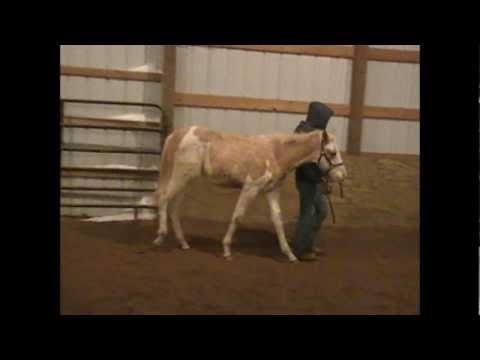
308	257
319	251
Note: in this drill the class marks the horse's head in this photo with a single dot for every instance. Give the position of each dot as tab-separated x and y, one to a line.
330	159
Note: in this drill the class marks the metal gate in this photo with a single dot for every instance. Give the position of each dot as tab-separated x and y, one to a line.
106	173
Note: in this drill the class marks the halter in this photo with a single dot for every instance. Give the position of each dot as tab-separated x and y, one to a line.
332	166
324	154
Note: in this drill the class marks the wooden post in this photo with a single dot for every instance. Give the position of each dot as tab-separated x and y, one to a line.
168	87
359	80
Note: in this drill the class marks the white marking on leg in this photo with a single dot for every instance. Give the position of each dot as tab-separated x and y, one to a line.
177	228
187	166
177	183
162	214
273	201
247	194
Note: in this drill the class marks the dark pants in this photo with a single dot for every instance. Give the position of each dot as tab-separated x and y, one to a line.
313	211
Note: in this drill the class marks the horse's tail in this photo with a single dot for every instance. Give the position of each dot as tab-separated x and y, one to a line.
167	158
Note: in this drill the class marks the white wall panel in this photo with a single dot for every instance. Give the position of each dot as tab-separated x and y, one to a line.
217	71
131	57
304	78
390	136
228	72
392	85
271	76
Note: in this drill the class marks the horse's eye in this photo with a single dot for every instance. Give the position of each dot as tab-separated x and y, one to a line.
334	153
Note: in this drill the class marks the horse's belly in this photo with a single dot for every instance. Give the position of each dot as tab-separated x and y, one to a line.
226	183
222	178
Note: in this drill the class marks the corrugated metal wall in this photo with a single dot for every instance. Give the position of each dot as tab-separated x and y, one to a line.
254	74
218	71
394	85
128	57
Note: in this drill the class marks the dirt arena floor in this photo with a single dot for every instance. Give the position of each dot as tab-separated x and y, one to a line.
372	265
113	268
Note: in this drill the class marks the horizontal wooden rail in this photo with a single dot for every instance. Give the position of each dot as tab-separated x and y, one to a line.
107	149
109	173
287	106
82	188
101	196
115	74
391	55
243	103
391	113
374	54
111	124
315	50
116	206
109	170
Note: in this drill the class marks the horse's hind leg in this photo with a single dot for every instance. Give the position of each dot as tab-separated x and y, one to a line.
178	182
162	218
163	201
174	215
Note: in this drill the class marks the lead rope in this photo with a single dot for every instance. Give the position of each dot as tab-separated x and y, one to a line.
332	211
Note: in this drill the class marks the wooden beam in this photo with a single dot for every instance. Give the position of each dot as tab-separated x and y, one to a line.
116	74
108	173
83	188
69	194
243	103
107	149
168	91
401	56
115	206
359	80
378	112
315	50
374	54
288	106
102	123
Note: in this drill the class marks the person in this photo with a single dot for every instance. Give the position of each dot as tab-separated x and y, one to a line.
312	191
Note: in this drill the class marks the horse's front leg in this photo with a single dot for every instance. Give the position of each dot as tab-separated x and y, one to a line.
276	216
248	193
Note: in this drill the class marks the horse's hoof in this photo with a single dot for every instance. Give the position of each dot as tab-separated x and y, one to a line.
294	260
159	240
228	258
185	247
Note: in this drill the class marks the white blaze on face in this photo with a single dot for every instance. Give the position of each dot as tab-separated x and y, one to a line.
338	173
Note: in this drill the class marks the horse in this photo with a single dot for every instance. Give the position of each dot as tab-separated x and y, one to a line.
255	164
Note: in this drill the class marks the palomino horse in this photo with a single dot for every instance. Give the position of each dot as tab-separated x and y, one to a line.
253	164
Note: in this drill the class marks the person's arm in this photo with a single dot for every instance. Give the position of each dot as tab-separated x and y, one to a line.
312	172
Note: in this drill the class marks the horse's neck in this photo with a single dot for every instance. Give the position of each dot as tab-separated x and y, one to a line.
297	149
